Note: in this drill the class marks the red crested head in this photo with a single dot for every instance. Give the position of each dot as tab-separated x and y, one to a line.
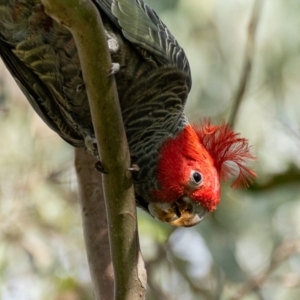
229	151
190	167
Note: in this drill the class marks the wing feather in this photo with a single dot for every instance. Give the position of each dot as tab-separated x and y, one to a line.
141	26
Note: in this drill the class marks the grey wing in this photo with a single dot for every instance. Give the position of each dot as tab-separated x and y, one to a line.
141	26
38	95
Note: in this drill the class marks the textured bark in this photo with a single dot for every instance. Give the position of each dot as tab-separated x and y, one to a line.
83	20
94	225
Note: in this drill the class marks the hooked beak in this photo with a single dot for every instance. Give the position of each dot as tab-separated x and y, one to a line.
184	212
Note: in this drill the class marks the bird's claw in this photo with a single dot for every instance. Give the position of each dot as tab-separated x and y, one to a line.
80	87
91	145
134	168
115	68
113	44
99	167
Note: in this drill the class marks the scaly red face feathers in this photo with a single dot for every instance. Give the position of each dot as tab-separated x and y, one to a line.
192	164
181	159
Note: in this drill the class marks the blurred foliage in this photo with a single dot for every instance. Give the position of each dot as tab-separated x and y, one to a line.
248	249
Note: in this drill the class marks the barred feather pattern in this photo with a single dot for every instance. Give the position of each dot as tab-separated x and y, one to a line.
153	81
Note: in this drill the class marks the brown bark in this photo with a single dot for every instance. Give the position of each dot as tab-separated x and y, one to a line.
83	20
95	227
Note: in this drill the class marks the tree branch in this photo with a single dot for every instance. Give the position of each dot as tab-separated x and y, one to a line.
95	227
83	20
291	176
248	62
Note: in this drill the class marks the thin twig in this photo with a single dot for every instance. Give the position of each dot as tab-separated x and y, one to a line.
248	61
290	176
83	20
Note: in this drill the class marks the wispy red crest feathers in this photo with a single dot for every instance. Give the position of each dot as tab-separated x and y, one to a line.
228	150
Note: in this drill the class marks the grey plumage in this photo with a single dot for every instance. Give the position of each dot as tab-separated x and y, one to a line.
153	81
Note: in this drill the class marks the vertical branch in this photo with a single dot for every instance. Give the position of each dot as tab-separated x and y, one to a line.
83	20
95	226
248	62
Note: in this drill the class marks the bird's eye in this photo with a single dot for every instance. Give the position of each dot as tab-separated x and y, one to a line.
196	177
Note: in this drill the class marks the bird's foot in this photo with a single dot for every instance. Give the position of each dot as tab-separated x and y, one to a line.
100	168
91	145
115	68
80	87
113	44
134	168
